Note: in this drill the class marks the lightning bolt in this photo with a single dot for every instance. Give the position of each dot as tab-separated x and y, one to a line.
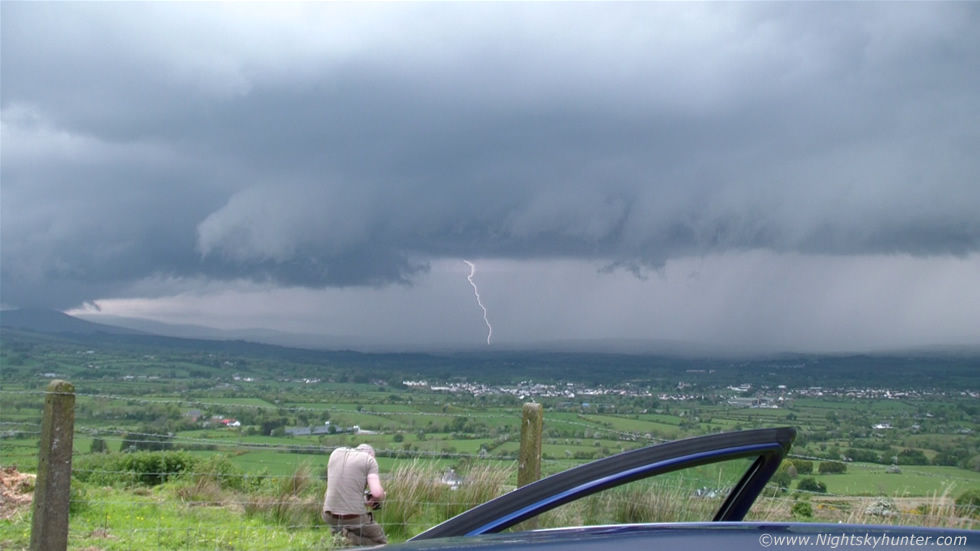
478	301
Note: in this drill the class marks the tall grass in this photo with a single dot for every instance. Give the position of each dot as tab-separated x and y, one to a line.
418	498
938	511
638	502
218	507
295	501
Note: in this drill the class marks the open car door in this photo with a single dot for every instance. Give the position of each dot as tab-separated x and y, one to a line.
756	453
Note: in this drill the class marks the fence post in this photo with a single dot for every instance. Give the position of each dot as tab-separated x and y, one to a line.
529	457
49	528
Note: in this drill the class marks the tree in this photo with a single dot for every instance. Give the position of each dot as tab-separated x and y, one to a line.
862	455
950	457
781	480
912	456
803	466
802	510
98	445
968	503
269	424
145	439
810	484
832	467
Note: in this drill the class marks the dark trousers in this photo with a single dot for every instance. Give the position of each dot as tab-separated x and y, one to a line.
359	529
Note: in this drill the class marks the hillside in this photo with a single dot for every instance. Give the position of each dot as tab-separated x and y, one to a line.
54	322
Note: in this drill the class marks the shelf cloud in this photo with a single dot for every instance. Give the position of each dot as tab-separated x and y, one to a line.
320	146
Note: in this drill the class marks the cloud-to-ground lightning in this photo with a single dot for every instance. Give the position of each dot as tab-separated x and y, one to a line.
478	301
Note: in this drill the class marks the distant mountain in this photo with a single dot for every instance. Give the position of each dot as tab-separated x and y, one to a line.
54	322
327	342
265	336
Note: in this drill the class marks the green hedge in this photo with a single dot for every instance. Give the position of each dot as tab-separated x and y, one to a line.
142	468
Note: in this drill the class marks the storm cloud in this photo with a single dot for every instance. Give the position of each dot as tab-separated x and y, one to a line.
323	145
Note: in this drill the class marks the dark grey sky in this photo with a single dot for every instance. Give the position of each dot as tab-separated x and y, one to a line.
608	167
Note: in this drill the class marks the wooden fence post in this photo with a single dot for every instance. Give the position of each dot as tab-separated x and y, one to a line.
52	489
529	457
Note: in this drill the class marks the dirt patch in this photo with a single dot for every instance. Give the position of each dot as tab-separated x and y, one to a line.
16	491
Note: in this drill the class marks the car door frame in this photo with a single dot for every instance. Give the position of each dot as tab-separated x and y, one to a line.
769	446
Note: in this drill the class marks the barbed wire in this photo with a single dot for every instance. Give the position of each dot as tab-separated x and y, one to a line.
219	405
176	444
595	425
674	482
22	432
8	458
158	439
598	427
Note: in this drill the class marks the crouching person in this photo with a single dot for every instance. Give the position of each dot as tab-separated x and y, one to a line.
349	472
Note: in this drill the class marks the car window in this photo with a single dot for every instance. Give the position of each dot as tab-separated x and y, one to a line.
687	495
731	468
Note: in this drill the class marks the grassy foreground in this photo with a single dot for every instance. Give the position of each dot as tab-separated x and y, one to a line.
212	505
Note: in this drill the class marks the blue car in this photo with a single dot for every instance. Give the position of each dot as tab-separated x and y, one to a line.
719	475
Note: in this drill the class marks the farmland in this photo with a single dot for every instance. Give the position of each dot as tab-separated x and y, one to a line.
264	414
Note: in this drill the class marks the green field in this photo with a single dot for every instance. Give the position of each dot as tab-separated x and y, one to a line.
171	401
914	481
